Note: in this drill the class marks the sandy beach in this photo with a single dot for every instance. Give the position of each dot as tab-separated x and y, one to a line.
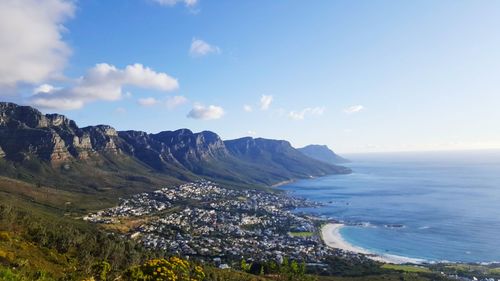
330	234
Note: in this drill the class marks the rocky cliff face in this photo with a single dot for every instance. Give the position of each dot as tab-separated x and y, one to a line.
103	138
14	116
188	147
255	147
148	150
26	133
181	148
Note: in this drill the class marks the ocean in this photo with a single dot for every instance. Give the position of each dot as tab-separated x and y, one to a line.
433	206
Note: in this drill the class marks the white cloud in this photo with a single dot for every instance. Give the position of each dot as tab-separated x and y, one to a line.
354	109
103	82
200	48
251	133
32	49
147	101
296	115
247	108
300	115
210	112
188	3
58	103
44	88
265	102
175	101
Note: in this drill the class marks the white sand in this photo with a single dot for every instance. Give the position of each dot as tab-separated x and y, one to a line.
331	236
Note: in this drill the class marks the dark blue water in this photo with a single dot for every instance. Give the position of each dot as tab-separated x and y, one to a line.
446	206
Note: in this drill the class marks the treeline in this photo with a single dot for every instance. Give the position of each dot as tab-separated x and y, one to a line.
284	271
334	265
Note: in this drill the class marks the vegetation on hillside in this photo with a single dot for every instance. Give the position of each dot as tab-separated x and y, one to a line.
43	238
89	185
39	242
173	268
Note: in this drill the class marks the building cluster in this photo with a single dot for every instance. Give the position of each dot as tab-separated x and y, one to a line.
207	221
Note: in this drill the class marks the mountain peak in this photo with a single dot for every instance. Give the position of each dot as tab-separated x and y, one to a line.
322	153
182	132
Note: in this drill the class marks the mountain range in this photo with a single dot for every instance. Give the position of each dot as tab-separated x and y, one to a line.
51	149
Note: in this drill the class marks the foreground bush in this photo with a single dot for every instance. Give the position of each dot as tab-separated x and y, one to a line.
171	269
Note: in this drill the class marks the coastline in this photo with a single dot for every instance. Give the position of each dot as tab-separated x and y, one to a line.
330	234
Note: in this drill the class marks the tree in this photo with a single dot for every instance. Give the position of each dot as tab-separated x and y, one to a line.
245	266
293	271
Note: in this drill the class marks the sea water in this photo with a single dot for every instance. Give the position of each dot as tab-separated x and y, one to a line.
431	206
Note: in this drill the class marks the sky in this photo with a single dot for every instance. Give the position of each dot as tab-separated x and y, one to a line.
358	76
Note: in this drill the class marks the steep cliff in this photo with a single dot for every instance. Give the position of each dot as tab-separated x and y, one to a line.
26	133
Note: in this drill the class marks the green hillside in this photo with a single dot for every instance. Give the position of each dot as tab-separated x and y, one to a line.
42	237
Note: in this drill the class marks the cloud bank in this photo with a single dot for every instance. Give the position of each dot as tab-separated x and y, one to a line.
32	49
102	82
202	112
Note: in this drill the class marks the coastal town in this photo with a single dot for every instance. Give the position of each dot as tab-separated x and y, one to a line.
222	225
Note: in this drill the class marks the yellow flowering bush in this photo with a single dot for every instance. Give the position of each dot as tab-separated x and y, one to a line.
171	269
4	236
6	256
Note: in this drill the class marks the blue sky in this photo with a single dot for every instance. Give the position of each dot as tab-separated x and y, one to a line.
356	75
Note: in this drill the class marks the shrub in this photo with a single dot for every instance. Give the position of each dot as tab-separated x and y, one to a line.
4	236
172	269
6	257
7	275
101	270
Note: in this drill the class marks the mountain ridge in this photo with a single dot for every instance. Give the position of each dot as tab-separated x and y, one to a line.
54	141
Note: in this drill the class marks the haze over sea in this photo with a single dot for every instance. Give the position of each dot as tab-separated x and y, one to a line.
442	206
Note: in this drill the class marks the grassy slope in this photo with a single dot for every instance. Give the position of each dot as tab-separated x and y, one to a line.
90	185
18	252
39	240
